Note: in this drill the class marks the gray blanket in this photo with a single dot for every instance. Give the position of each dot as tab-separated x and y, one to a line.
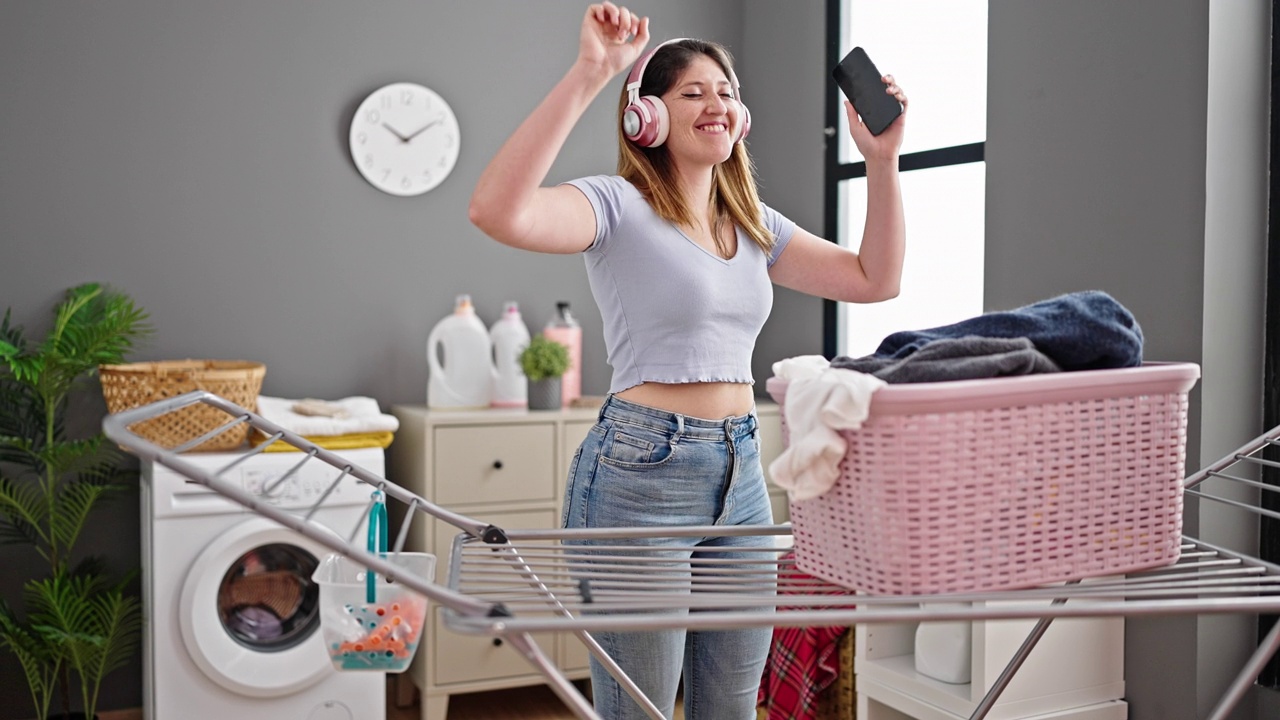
963	358
1086	330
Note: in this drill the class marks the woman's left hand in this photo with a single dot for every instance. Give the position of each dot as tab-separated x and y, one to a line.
885	145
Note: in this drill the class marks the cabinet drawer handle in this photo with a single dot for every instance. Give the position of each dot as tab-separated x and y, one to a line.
497	642
497	464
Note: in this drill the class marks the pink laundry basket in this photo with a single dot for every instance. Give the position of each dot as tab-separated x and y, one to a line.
1003	483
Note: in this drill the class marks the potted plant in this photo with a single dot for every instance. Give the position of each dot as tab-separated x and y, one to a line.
76	619
543	362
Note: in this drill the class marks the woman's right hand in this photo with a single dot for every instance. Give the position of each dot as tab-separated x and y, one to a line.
604	42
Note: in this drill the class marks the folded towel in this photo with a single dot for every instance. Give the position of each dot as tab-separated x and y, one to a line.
362	415
1085	330
329	442
817	407
964	358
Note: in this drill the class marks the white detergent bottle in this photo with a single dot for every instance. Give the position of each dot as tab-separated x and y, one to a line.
944	649
464	378
564	329
510	337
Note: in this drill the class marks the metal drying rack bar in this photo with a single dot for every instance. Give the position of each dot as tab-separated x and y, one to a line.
511	583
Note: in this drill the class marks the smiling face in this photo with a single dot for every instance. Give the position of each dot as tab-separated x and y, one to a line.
704	114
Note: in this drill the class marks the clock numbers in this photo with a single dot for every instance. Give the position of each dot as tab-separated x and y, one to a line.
406	97
448	141
373	116
368	160
362	138
426	176
385	175
405	182
386	101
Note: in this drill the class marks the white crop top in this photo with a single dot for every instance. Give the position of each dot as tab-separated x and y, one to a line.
674	312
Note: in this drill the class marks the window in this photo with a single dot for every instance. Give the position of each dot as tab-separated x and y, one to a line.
938	49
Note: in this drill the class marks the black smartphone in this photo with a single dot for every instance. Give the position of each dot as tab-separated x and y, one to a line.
858	77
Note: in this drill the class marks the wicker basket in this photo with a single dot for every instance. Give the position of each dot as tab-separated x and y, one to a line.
238	381
1003	483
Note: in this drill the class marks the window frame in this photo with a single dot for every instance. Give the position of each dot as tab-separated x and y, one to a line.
1269	529
836	171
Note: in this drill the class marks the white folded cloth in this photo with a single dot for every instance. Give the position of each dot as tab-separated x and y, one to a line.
347	416
820	401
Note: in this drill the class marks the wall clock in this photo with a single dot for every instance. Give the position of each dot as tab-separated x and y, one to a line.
404	139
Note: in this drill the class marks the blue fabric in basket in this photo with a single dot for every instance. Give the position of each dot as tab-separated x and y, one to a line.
1086	330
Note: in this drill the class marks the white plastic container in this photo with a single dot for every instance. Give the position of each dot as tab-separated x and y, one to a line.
944	650
565	330
464	379
509	337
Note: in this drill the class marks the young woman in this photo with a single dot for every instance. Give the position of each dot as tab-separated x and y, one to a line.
681	256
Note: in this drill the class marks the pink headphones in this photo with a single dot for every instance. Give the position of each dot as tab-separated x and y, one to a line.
645	121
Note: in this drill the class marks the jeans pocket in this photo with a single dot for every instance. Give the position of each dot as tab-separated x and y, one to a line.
635	446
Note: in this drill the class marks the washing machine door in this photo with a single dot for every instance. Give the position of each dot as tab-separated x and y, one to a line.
250	612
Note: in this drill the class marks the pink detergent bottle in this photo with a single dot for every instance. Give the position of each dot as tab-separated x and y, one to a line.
565	330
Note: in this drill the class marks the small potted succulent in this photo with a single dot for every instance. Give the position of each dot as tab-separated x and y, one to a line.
543	362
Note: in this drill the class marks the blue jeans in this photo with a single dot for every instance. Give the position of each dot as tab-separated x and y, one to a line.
643	467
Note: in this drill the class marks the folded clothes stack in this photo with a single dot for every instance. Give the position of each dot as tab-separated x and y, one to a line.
349	423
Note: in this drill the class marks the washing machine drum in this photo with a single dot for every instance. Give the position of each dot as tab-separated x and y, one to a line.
250	611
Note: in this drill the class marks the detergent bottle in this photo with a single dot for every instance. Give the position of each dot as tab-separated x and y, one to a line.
509	337
464	378
565	330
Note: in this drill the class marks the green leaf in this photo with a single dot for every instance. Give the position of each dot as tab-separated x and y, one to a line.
72	508
24	512
74	456
58	608
40	666
117	621
11	339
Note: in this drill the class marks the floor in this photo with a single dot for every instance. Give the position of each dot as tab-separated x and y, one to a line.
531	703
528	703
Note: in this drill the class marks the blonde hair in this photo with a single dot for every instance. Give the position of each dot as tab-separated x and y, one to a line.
652	172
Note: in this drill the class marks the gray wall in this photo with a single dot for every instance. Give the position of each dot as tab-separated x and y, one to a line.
194	155
1237	130
1102	129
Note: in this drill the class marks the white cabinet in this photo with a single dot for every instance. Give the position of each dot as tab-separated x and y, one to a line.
508	468
1075	672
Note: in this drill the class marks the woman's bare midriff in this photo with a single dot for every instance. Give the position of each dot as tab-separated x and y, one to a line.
708	400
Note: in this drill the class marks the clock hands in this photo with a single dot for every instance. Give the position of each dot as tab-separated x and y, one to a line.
393	132
424	128
415	133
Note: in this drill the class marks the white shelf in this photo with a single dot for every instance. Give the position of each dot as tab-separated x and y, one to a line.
1078	663
880	702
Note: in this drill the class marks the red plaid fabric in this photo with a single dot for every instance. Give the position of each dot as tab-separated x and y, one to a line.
802	663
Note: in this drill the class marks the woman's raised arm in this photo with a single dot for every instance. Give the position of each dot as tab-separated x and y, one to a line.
509	203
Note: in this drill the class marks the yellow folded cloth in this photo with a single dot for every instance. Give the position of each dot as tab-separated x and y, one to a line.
350	441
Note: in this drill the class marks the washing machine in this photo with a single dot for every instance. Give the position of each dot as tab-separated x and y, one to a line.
232	625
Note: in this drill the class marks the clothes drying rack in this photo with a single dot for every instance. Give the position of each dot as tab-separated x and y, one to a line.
512	583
